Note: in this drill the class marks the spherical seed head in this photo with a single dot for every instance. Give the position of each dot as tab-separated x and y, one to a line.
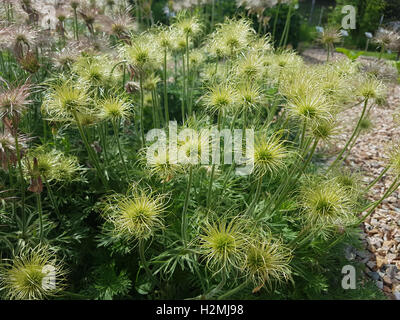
372	88
387	38
325	202
350	181
250	95
266	262
366	124
53	165
165	37
189	25
223	244
220	97
191	148
14	101
20	34
24	278
330	35
324	130
251	66
159	164
269	155
65	98
310	107
74	3
113	108
137	215
151	82
232	36
143	53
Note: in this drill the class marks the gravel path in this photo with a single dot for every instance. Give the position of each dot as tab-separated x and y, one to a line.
381	234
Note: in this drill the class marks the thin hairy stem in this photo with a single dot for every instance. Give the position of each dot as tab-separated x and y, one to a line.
22	184
185	208
338	158
165	88
115	123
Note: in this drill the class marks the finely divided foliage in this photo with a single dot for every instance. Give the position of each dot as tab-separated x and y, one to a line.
80	191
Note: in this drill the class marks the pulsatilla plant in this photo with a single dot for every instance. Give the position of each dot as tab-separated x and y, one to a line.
167	214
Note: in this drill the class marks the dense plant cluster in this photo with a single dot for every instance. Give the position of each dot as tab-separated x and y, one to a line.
80	194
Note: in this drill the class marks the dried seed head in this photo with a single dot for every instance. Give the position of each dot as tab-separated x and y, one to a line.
29	275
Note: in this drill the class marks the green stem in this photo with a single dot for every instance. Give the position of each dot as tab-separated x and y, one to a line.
252	206
141	108
21	174
303	134
185	207
90	151
391	189
76	25
115	123
187	76
351	137
276	21
143	259
376	180
183	88
40	212
233	291
51	196
213	165
165	88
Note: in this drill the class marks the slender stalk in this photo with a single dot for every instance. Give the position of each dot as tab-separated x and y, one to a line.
213	165
21	174
183	88
40	212
285	29
153	111
187	76
303	134
347	153
51	196
381	52
282	192
288	25
234	290
143	259
115	123
185	207
141	108
217	288
91	154
76	25
351	137
165	88
276	21
212	13
395	184
376	179
250	210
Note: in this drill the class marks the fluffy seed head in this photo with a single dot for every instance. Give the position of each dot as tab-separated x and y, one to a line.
113	108
24	276
266	262
223	244
137	215
325	202
220	97
269	155
14	101
65	98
